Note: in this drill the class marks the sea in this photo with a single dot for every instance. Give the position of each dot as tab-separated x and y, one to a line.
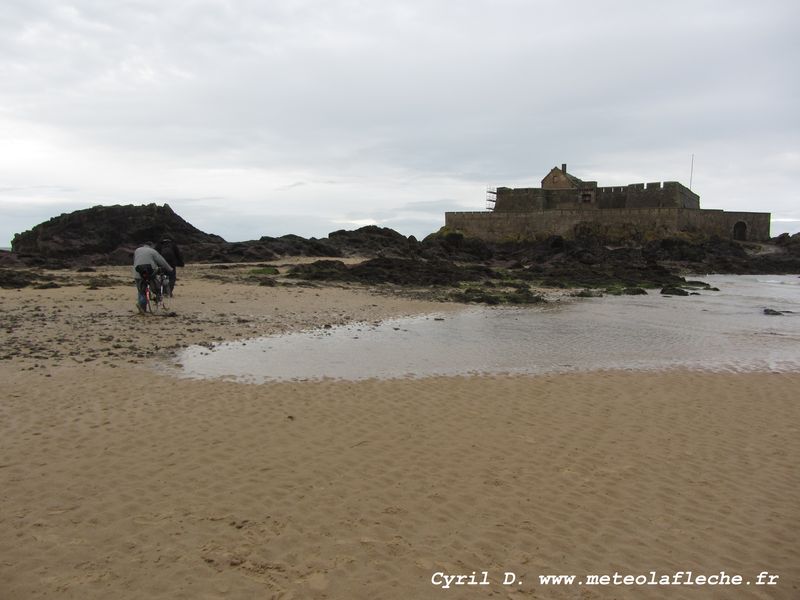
726	330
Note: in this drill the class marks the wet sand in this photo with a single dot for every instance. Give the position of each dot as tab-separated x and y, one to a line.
120	482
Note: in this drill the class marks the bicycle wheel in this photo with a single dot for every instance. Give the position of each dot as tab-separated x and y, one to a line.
163	294
158	295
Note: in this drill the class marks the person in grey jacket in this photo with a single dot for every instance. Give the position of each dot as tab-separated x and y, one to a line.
145	263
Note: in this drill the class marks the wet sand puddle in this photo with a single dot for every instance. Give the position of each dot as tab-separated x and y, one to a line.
725	330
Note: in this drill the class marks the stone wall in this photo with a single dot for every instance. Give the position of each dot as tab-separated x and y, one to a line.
519	199
611	197
686	197
669	194
657	222
722	223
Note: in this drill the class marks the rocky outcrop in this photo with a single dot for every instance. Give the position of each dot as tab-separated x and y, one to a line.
372	240
790	243
452	245
109	234
265	248
400	271
717	255
105	234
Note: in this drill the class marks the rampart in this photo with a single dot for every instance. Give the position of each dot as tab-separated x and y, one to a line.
497	226
669	194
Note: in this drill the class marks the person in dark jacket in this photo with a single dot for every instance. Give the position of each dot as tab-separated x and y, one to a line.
172	254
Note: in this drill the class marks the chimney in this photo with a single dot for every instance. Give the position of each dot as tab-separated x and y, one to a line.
564	168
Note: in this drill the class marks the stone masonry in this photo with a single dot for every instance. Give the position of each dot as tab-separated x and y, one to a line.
564	203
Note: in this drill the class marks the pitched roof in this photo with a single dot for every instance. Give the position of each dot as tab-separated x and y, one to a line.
572	179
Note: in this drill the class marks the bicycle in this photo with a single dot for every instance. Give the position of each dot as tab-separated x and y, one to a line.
156	291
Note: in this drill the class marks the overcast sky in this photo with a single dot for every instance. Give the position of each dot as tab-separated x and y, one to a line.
254	118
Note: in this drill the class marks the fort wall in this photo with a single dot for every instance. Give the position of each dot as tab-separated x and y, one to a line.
669	194
611	197
499	226
724	223
521	199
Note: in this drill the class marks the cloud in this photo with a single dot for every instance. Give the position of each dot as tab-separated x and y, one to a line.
434	206
290	186
350	110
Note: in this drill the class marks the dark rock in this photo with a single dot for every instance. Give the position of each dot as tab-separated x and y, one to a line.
401	271
103	230
773	312
791	243
782	240
587	257
13	278
674	291
634	291
370	241
9	259
294	245
453	245
674	249
523	296
475	295
320	270
119	256
418	272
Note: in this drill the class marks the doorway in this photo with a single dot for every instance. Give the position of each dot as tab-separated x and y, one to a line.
740	231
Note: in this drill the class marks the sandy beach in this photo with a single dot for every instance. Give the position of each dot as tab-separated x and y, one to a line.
118	481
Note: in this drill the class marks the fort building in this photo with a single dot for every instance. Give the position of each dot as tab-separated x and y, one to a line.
564	203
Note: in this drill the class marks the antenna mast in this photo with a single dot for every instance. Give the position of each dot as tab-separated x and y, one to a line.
691	173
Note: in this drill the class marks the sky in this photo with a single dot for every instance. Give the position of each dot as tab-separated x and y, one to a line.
254	118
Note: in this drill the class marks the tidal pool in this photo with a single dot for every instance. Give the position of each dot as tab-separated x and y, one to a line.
725	330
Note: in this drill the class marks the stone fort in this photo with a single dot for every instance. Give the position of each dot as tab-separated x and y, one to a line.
565	203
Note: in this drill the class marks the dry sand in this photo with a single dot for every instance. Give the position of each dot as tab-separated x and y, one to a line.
119	482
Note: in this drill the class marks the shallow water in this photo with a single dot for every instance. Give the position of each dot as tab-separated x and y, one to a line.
725	330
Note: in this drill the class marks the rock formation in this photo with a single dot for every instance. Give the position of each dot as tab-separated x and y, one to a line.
105	234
